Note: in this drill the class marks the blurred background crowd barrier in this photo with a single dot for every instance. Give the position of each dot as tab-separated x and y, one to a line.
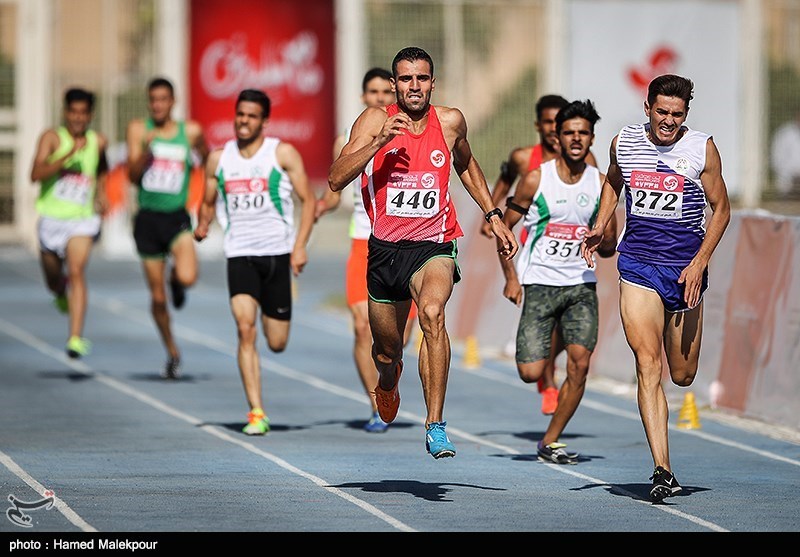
751	334
493	59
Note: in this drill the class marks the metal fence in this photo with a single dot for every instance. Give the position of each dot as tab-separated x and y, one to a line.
491	56
8	17
782	51
489	59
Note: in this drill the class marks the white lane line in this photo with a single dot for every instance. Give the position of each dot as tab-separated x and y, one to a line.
498	377
44	348
214	343
37	344
635	498
633	416
117	307
58	503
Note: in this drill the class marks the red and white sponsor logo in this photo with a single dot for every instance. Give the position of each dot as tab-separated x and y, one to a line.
437	158
656	181
428	180
563	231
167	165
250	185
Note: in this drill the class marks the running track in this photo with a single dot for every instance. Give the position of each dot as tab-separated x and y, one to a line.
126	452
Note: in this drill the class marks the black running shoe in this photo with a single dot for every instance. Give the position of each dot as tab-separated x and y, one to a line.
556	453
172	369
664	484
178	293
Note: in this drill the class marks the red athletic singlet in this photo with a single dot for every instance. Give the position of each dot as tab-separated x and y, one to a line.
536	157
406	187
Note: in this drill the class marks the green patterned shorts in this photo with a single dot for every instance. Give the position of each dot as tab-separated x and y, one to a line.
572	308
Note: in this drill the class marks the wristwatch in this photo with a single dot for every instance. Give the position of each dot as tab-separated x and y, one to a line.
488	216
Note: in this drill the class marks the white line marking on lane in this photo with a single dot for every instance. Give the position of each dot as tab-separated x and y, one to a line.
37	344
214	343
58	503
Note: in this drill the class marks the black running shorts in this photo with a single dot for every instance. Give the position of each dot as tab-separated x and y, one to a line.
390	266
155	232
267	278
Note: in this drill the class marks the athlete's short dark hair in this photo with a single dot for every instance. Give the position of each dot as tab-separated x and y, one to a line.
411	54
76	94
577	109
670	85
549	101
157	82
256	96
372	74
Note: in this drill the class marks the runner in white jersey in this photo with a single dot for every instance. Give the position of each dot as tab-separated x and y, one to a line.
250	184
377	90
255	207
559	202
669	173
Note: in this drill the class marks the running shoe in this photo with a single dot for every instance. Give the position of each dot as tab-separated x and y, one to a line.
376	424
178	293
61	303
664	484
436	441
78	347
554	452
172	369
257	423
549	401
389	401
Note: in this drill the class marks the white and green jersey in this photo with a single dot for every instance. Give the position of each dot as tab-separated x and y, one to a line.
559	217
255	205
360	225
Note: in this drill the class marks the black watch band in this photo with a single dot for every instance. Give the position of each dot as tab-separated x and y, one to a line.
488	216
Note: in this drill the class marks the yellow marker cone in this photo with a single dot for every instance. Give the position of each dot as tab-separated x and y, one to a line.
689	417
472	356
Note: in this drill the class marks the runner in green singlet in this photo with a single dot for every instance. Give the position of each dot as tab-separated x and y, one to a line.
159	164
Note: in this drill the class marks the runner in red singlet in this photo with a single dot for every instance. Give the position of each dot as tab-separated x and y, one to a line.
403	154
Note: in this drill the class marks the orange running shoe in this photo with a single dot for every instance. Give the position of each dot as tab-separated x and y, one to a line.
549	401
389	401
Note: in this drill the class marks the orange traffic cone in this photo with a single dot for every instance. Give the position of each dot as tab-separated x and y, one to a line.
472	356
689	417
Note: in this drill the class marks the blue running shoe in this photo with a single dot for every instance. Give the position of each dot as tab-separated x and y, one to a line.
436	441
375	424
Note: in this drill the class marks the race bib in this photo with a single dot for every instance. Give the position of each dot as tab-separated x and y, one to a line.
656	194
73	187
167	172
561	242
246	196
413	194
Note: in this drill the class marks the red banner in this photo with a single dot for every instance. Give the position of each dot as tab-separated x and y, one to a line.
283	47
